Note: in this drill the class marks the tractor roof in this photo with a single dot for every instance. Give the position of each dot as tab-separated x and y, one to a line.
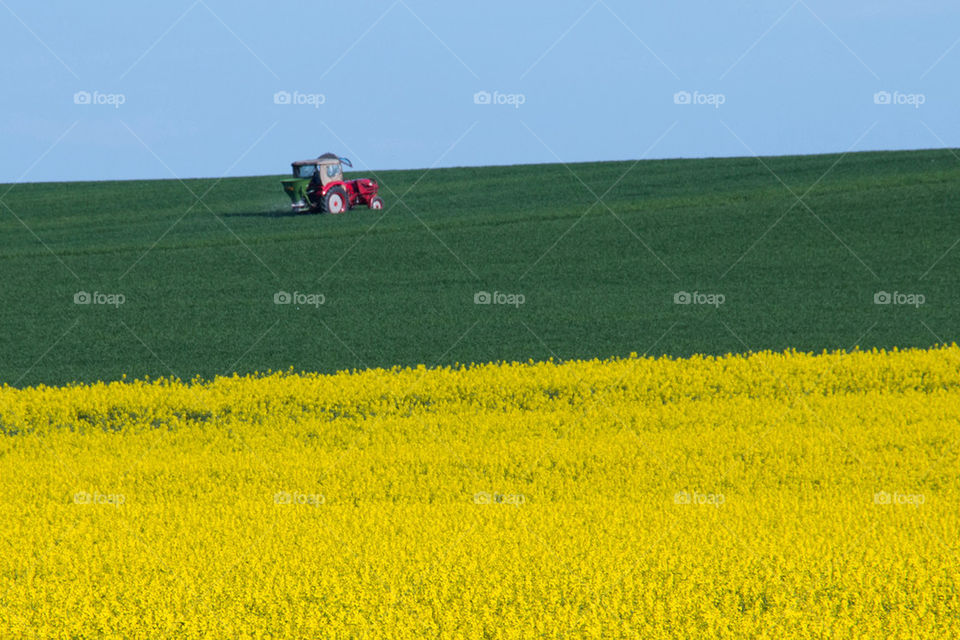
327	158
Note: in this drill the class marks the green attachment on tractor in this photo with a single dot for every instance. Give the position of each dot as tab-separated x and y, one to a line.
296	188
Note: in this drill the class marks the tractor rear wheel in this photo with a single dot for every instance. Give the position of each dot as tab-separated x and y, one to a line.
335	201
376	202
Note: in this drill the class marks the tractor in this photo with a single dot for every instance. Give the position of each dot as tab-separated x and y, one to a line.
317	186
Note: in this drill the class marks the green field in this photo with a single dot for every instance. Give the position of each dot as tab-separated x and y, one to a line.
598	279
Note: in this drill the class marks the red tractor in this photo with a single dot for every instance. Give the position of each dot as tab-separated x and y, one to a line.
318	186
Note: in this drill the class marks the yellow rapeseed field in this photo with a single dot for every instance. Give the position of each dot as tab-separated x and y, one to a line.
775	495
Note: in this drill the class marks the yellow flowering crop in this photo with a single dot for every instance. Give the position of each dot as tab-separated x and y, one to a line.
777	495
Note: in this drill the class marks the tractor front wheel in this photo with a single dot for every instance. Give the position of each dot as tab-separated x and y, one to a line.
335	201
376	202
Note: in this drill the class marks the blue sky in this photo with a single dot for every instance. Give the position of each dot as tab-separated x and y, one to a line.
191	88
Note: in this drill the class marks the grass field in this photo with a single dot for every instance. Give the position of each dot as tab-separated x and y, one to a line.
598	279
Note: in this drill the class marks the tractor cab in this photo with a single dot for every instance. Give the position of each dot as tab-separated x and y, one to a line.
323	170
